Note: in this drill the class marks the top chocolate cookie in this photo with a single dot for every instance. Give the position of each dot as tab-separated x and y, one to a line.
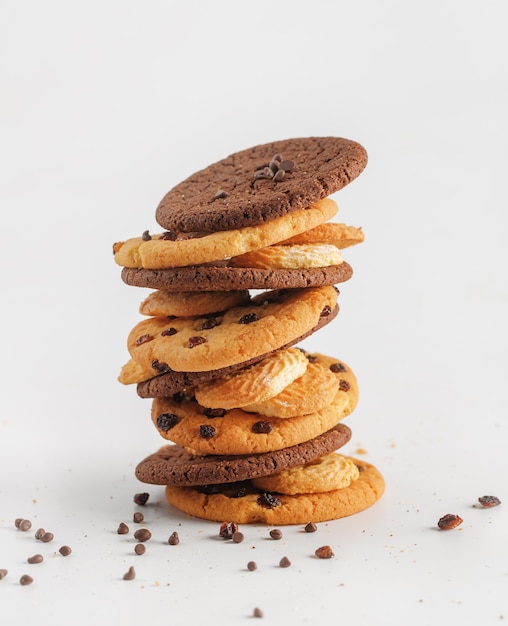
260	184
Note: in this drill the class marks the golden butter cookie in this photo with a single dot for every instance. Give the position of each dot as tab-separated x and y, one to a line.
329	472
169	250
315	389
191	303
261	183
268	322
299	256
339	235
243	504
234	431
256	383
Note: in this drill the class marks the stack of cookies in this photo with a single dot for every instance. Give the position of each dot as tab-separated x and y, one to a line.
245	267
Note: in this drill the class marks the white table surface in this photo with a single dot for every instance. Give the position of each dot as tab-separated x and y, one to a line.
104	107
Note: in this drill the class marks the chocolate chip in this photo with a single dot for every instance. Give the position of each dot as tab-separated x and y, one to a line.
47	537
162	368
265	172
257	612
122	529
174	539
65	550
252	566
144	339
310	527
284	562
326	311
138	517
141	498
130	574
212	413
167	421
169	235
26	580
139	549
227	529
262	427
324	552
212	322
206	431
268	501
3	573
18	521
24	525
337	367
238	537
276	534
311	358
344	385
287	165
220	194
248	318
143	534
279	176
277	157
169	332
146	236
274	165
36	558
489	501
39	532
449	521
195	341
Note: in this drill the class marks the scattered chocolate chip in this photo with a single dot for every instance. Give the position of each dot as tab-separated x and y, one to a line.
138	517
39	532
220	194
278	176
162	368
326	311
449	521
167	421
238	537
206	431
47	537
268	501
276	534
277	157
212	413
174	539
361	468
252	566
227	529
3	573
324	552
141	498
169	332
489	501
310	527
265	172
211	322
140	549
65	550
122	529
344	385
36	558
284	562
146	236
311	358
287	165
18	521
169	235
24	525
130	574
337	367
262	428
248	318
26	580
144	339
143	534
195	341
257	612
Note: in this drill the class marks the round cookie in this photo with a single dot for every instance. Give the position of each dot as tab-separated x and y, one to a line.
191	303
165	385
216	277
243	504
219	431
237	191
269	321
174	465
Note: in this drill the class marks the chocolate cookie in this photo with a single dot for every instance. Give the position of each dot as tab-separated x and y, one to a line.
261	183
221	278
174	465
170	383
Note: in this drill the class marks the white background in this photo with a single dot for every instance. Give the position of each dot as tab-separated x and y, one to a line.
104	106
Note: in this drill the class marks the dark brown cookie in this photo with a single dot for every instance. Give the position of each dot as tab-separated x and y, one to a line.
220	278
250	187
174	465
168	384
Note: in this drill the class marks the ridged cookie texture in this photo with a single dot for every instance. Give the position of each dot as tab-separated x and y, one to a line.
240	191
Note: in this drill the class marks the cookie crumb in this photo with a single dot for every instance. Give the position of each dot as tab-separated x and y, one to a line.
449	521
228	529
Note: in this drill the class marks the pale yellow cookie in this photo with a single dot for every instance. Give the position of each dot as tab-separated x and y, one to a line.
332	471
339	235
325	374
301	256
190	303
242	504
234	431
160	253
268	322
133	372
259	382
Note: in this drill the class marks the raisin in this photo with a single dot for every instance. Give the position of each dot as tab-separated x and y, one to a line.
248	318
211	413
206	431
489	501
195	341
169	235
337	367
169	332
212	322
268	501
228	529
262	428
449	521
344	385
326	311
162	368
167	421
144	339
